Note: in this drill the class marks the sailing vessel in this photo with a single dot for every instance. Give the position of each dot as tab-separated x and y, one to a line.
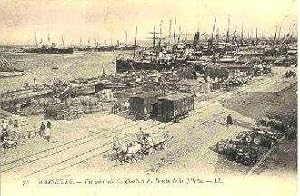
155	58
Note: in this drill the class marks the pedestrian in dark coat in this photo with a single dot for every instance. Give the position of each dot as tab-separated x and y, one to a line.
42	129
48	124
229	120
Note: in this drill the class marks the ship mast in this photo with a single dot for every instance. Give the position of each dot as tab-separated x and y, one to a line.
227	33
170	31
213	31
256	39
154	37
179	34
135	36
35	39
135	42
242	34
48	39
125	37
62	41
275	35
160	33
174	37
217	36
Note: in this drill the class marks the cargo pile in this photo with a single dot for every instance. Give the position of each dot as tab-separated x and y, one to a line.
248	147
73	108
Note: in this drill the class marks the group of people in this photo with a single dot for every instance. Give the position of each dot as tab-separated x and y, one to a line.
45	130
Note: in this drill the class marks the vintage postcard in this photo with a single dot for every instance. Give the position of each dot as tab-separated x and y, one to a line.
148	97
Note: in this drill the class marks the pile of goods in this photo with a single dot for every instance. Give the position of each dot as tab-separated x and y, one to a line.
36	106
88	104
289	74
248	147
64	112
73	108
143	145
236	81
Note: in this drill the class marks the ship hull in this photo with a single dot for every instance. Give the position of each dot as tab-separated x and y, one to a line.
50	50
130	65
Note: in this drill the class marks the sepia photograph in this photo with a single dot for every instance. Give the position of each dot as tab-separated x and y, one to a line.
148	97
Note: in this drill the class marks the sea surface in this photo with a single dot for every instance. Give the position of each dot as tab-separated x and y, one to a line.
70	66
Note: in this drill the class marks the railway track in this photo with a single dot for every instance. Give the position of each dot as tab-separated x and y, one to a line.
60	148
95	154
84	156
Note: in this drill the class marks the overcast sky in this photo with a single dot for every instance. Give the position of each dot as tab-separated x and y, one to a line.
108	19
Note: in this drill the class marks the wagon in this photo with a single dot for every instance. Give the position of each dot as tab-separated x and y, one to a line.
236	150
142	105
174	107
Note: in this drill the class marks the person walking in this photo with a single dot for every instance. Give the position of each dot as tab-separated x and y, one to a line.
42	129
229	120
47	133
49	124
4	131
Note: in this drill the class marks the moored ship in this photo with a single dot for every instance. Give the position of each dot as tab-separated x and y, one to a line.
50	50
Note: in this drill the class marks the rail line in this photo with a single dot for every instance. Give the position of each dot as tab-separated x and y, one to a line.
102	152
22	159
85	154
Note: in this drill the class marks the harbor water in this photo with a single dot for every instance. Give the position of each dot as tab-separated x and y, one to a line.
45	67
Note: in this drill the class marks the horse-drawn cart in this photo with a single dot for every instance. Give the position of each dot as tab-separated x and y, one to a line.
143	145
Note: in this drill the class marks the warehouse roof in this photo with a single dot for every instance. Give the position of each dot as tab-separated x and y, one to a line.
147	94
177	96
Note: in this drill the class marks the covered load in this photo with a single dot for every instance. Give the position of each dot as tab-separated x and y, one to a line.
174	107
142	105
